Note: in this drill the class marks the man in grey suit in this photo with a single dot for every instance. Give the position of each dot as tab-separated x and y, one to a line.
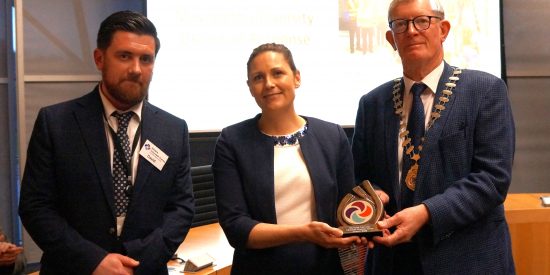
107	187
440	155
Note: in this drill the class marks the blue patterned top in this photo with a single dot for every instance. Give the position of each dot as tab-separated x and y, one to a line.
291	139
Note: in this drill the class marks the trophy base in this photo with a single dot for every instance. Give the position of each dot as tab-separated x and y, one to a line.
361	231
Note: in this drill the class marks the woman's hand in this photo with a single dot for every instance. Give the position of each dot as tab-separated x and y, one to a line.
266	235
326	236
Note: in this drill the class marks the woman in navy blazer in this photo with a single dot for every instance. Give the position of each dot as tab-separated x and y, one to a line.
279	177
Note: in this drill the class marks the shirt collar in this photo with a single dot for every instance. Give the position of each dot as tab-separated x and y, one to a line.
109	108
431	80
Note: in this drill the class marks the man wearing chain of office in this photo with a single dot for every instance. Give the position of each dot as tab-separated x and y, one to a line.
438	145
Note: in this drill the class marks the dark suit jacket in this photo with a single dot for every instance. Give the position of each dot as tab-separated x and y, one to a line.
465	172
244	182
67	191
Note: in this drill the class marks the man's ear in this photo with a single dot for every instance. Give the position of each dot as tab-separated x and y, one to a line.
98	59
391	40
445	27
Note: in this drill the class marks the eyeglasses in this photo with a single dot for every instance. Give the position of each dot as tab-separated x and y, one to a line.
420	23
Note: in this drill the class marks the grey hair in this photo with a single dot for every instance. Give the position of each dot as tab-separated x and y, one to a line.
437	8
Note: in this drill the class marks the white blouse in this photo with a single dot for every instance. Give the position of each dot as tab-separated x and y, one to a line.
294	197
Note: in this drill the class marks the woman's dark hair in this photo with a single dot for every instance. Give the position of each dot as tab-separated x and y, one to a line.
272	47
128	21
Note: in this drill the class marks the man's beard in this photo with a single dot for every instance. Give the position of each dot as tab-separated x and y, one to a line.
124	95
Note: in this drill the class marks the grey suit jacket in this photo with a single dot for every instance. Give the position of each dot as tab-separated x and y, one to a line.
67	191
464	175
244	182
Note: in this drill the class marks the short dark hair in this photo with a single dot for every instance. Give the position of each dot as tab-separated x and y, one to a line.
128	21
272	47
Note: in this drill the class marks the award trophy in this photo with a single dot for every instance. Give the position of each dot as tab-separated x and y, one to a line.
357	215
359	211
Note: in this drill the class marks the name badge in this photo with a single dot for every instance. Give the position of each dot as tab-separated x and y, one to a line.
153	154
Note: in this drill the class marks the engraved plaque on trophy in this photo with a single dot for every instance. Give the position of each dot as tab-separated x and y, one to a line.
359	211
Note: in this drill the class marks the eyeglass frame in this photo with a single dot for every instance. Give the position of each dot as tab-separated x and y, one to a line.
413	22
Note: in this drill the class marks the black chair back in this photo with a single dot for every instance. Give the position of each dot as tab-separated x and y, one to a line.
205	199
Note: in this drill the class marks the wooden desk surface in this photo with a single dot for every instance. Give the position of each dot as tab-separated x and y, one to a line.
529	224
211	240
526	207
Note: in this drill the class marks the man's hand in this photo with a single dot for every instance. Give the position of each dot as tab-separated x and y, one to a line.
116	264
383	196
407	222
8	253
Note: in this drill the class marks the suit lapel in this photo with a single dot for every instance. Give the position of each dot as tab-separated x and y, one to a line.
149	131
262	192
89	117
433	135
391	122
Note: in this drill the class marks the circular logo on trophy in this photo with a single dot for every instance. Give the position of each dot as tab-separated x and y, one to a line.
358	212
